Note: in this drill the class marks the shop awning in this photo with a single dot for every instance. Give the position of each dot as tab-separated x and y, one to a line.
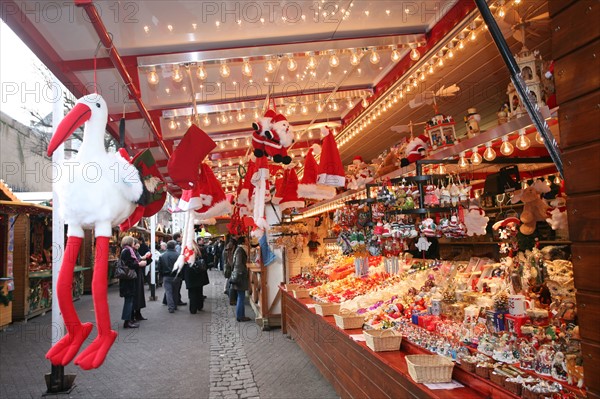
13	207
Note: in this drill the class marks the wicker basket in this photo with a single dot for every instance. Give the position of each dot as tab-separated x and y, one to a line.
497	379
348	321
298	294
514	387
468	366
429	368
383	340
327	308
529	394
483	371
292	287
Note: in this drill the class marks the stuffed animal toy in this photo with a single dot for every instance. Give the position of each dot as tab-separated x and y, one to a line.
261	133
416	149
360	172
281	138
389	164
99	204
534	209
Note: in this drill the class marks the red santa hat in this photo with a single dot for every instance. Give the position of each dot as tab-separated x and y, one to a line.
308	187
278	195
290	197
357	160
281	130
206	197
186	158
331	171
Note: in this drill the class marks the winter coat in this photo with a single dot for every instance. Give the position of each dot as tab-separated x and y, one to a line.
127	288
197	276
240	257
167	261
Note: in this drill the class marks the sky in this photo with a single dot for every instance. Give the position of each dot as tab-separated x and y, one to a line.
21	85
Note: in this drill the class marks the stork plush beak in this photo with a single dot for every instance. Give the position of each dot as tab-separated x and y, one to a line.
74	119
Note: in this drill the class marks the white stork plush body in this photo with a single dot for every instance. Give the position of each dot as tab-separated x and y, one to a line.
96	190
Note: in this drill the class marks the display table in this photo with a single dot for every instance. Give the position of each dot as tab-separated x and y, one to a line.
357	372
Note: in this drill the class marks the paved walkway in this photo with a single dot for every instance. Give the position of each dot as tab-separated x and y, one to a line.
179	355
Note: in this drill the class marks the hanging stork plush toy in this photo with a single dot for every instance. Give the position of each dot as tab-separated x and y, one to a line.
96	190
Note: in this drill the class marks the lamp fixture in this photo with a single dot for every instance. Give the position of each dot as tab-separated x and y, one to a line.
206	120
304	109
538	138
334	60
476	158
312	61
177	76
489	154
462	161
414	53
523	142
395	54
270	66
374	57
172	124
224	69
292	64
506	148
247	68
355	57
152	77
201	72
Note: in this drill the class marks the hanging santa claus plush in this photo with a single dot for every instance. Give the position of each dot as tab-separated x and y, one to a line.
416	149
272	136
262	133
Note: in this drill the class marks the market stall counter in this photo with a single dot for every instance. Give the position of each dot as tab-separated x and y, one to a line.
355	371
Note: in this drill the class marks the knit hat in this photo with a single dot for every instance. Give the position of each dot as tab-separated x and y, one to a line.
186	158
290	197
206	197
308	187
331	171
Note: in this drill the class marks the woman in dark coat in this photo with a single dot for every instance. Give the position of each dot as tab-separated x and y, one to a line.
196	277
239	279
127	288
139	300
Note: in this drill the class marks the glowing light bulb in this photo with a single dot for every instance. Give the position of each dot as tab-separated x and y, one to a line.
462	161
374	57
501	10
354	58
224	119
489	154
220	165
177	75
334	60
450	53
230	162
270	66
247	68
240	116
224	70
395	54
430	70
414	54
473	36
415	83
441	62
152	77
517	2
319	107
188	122
312	61
206	120
538	138
304	109
172	124
334	106
461	45
365	103
557	179
523	142
201	72
292	65
422	77
349	103
506	148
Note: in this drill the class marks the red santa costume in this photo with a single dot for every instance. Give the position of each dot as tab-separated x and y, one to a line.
308	187
331	171
415	150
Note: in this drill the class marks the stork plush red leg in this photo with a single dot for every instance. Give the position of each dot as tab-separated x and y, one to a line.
93	356
65	350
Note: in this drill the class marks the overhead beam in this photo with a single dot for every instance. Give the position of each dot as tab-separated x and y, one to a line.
133	89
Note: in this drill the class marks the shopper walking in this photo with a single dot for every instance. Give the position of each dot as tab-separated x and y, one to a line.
239	278
171	283
196	277
139	300
127	288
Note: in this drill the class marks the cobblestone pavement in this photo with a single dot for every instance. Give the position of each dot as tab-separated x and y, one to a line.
179	355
